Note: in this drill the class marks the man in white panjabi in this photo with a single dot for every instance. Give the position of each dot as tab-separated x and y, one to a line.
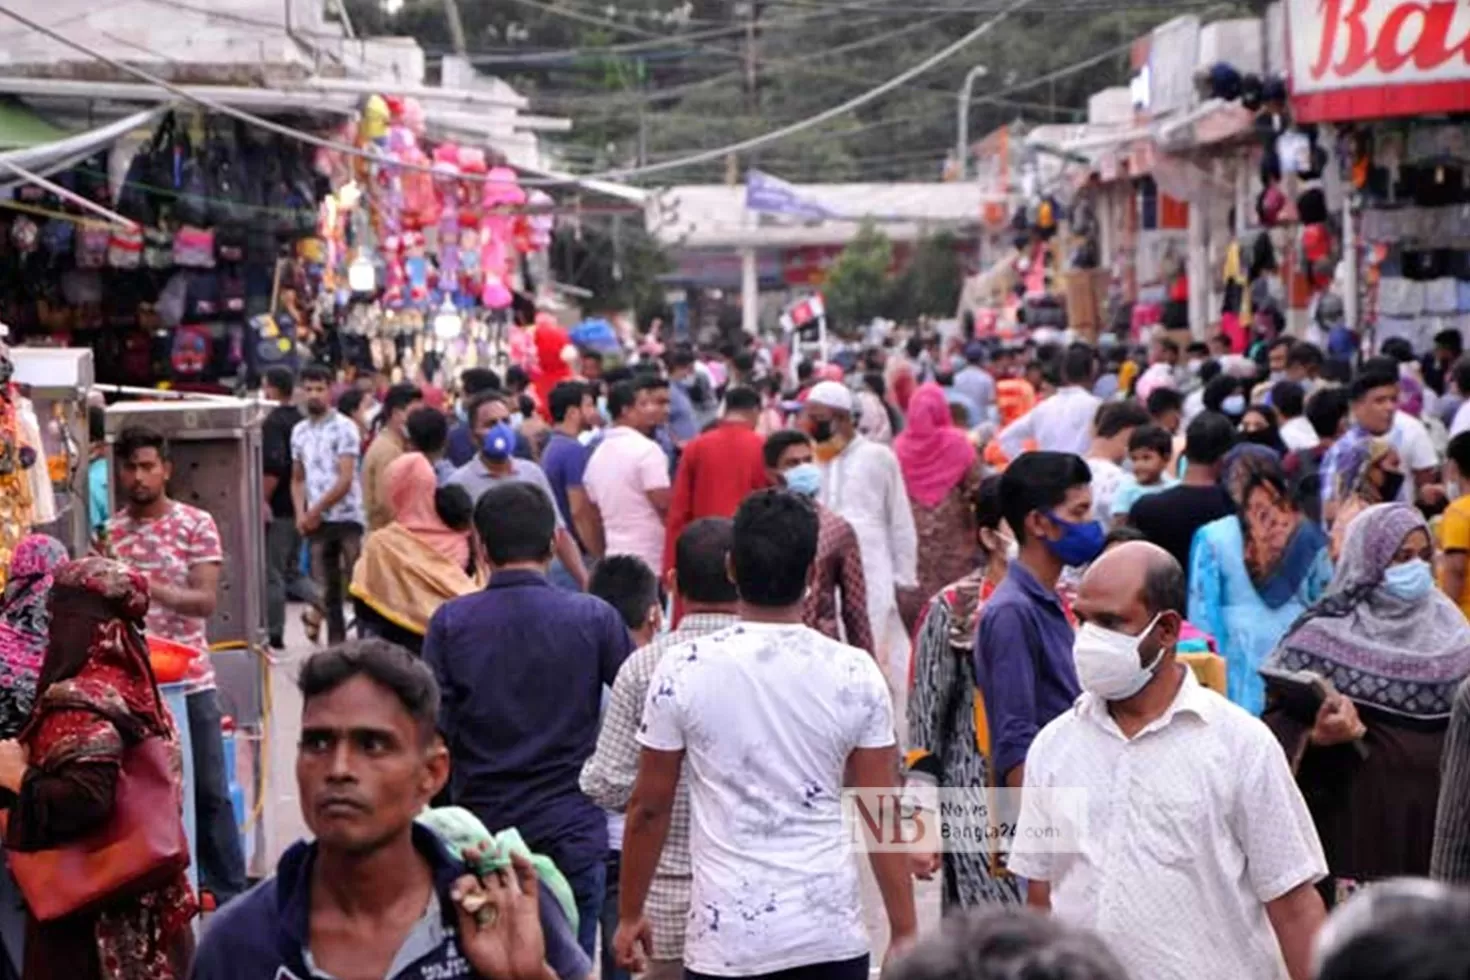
862	483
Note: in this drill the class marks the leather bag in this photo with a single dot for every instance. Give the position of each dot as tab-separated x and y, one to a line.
141	847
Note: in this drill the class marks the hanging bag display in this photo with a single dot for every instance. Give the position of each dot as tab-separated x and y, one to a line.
158	248
92	244
194	248
125	248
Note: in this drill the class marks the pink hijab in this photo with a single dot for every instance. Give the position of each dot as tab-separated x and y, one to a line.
411	485
933	454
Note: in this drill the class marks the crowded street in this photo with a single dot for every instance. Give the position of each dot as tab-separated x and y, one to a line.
488	492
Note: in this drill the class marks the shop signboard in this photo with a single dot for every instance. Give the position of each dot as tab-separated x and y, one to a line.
1375	59
1173	53
765	194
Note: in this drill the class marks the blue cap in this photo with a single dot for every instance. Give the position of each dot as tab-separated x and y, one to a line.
500	441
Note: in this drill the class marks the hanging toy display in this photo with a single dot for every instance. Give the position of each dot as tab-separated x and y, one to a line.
499	195
471	279
446	192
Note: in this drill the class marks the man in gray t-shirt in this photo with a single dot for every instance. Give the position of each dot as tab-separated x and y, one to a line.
494	464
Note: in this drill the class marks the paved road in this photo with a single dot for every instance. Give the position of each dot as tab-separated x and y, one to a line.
284	825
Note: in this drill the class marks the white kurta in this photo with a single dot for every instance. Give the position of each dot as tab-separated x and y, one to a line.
865	486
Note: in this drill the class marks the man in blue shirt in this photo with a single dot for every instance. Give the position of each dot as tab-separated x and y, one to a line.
98	502
522	666
375	894
573	410
975	383
1023	653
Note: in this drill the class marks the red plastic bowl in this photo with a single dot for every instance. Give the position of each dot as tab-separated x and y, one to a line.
170	660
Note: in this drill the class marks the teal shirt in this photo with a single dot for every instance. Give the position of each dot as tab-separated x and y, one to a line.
1130	491
97	505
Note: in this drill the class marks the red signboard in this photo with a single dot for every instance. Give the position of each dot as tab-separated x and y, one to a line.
1368	59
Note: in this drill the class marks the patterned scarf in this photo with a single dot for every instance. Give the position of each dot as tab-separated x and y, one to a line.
24	625
1405	657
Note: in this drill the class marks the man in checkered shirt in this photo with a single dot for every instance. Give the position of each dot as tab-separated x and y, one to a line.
709	602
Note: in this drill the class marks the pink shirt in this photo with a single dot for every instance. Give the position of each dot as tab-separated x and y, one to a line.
164	550
618	478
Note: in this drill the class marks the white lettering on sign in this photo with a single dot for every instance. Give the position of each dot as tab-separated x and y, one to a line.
1342	44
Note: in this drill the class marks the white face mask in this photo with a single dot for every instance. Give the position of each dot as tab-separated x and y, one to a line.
1108	663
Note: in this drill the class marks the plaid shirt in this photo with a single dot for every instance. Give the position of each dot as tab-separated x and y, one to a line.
608	778
839	568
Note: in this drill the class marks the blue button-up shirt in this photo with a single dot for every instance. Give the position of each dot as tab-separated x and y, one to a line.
521	668
1023	666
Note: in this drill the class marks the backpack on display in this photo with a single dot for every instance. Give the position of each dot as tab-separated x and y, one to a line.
191	350
202	298
232	294
125	248
230	243
92	245
158	248
194	248
57	237
135	357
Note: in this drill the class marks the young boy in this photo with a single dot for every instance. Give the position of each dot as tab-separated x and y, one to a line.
1149	450
1454	524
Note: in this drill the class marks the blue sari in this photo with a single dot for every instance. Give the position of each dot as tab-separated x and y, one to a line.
1245	585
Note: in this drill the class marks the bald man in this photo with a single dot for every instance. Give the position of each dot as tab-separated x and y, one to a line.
1196	847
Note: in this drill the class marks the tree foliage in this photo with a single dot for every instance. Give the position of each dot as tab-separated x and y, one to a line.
857	284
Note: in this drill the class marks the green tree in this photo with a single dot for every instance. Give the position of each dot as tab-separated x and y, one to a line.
857	285
930	284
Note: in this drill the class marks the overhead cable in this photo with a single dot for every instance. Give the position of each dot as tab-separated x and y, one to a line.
622	173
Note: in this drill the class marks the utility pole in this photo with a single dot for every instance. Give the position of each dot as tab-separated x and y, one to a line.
642	113
456	28
752	93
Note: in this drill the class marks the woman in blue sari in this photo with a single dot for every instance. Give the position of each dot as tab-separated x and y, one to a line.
1253	573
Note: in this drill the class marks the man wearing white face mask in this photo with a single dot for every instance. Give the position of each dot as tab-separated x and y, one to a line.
1197	847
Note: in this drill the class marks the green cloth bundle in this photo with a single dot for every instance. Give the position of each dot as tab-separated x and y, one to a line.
461	830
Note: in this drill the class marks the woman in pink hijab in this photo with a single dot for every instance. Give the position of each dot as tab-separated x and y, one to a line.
942	473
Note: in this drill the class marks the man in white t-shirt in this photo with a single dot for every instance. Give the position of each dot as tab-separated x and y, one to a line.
1112	428
768	720
1375	393
627	483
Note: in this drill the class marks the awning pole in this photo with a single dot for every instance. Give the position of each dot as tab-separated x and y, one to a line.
67	195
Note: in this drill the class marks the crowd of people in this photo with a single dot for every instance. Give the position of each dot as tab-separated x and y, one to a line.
639	633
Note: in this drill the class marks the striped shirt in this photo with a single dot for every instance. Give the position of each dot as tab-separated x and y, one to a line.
608	777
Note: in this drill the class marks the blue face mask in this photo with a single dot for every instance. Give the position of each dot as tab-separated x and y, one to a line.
1079	543
1233	405
1410	581
805	479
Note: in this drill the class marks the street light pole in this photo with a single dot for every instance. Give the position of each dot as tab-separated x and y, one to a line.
962	122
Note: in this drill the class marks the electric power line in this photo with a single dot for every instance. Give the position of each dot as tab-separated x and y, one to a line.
693	159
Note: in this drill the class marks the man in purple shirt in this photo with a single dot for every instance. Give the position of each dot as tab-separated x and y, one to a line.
1023	653
521	667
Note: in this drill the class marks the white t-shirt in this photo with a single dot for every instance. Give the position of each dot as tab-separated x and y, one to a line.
1107	476
1461	422
1416	449
618	478
1299	435
768	716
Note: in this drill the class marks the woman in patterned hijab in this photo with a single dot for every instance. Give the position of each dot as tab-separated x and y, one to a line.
96	699
1395	650
24	625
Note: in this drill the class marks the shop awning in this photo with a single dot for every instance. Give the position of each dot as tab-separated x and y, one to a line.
21	128
48	158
